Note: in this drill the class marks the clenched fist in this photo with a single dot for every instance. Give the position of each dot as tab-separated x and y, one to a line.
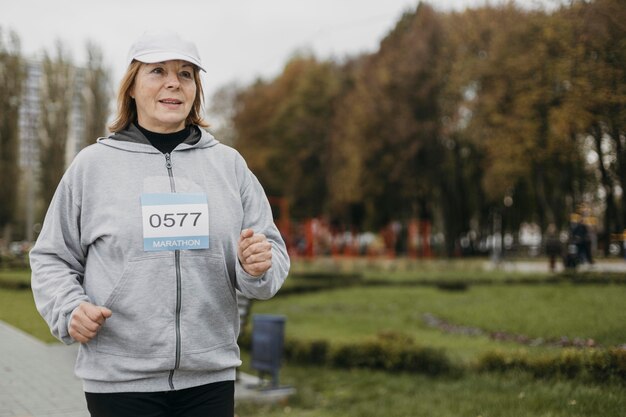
254	252
87	320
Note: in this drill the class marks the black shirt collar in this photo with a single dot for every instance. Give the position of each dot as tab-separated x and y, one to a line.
165	142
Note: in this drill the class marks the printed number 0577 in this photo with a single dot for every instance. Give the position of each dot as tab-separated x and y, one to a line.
172	219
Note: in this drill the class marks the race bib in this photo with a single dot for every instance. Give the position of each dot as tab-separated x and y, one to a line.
175	221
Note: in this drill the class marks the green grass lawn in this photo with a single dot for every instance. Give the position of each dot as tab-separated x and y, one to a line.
362	393
17	308
358	312
548	311
15	277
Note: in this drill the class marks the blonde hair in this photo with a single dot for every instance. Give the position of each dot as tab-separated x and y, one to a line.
127	109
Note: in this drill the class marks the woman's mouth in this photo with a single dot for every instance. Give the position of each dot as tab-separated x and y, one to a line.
170	102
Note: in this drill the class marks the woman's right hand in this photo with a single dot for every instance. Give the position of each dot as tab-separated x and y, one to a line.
87	319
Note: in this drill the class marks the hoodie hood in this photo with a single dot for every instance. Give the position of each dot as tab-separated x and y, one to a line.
132	140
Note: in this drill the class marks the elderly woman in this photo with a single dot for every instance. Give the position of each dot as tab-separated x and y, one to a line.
148	236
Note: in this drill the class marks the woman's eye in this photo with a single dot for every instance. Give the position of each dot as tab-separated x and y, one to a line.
186	74
157	70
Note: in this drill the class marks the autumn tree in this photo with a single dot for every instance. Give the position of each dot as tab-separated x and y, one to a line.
283	130
597	98
11	76
463	203
387	129
460	118
221	112
521	82
56	101
95	95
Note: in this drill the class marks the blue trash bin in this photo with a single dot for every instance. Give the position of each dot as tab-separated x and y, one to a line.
268	333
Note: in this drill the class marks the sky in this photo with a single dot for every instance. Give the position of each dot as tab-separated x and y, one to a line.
238	40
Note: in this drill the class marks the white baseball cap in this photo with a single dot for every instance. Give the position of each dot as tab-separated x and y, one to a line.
154	47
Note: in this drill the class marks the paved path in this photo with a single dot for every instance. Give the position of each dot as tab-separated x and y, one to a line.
37	379
600	266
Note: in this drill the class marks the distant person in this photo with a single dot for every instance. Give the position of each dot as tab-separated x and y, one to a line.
149	234
572	255
589	239
553	246
582	240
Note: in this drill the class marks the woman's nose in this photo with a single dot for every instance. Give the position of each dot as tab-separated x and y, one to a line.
172	81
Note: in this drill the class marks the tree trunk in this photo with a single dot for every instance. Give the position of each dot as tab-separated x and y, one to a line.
607	183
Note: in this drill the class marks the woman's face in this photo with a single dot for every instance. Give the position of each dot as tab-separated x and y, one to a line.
164	94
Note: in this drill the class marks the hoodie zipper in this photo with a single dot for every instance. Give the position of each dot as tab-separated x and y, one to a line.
168	165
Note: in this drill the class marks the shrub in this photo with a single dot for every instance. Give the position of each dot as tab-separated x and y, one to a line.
608	364
618	360
599	365
569	363
311	352
390	351
395	351
452	285
17	258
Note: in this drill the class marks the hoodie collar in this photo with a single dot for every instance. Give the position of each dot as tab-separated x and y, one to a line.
132	140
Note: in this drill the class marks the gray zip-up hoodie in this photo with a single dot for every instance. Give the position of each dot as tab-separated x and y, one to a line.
175	320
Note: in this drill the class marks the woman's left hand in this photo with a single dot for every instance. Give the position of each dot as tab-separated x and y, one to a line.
254	252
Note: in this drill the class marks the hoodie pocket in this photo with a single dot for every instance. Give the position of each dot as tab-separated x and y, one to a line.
143	305
209	315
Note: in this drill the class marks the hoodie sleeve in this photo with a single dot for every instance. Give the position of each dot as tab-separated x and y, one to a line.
258	217
57	262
